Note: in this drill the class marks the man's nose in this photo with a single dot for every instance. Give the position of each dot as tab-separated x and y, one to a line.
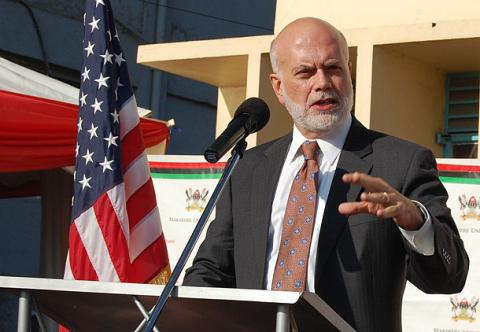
321	80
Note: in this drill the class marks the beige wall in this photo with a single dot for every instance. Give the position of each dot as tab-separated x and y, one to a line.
407	98
258	84
351	14
400	51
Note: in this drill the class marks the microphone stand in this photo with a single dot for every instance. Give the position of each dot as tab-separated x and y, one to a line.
237	153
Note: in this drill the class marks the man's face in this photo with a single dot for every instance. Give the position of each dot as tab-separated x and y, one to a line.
313	80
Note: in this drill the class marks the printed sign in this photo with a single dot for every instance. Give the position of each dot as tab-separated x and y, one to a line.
458	312
183	186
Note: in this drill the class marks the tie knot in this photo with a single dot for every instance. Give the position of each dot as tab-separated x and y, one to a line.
310	150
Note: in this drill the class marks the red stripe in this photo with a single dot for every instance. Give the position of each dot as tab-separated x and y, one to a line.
82	268
155	164
458	168
141	203
113	235
132	147
150	262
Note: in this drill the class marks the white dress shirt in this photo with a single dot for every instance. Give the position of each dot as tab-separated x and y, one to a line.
421	240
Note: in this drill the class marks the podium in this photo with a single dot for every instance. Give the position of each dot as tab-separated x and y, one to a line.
101	306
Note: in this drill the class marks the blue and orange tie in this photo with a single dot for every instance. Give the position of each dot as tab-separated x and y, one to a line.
290	272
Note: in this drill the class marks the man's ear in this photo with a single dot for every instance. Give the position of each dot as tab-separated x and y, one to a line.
277	87
350	68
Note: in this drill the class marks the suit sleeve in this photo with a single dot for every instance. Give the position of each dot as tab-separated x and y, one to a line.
446	270
213	265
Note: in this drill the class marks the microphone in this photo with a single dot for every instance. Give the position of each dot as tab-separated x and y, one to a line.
251	116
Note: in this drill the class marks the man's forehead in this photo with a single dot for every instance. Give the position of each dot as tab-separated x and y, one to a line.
312	52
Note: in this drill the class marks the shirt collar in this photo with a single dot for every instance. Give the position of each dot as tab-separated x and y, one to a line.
330	146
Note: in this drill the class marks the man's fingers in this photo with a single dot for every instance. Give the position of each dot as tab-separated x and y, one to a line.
353	208
370	183
382	198
389	212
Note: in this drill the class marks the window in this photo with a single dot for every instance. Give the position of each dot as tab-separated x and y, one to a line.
460	135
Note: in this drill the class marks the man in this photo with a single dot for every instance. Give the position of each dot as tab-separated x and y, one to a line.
379	215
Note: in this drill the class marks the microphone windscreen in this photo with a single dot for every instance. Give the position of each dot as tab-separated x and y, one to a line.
257	111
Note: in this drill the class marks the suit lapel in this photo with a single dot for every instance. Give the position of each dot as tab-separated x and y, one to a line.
265	178
353	158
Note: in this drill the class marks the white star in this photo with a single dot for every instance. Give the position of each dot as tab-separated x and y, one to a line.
84	15
76	154
115	116
106	165
88	157
119	58
89	49
99	2
94	24
93	131
107	57
83	100
102	81
79	124
116	35
85	181
109	35
96	106
85	73
74	176
111	140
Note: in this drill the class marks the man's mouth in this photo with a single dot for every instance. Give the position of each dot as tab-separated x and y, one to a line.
325	104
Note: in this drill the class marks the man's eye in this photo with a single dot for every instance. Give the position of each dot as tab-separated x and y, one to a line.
304	72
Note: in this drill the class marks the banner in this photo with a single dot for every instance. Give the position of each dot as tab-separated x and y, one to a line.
183	185
457	312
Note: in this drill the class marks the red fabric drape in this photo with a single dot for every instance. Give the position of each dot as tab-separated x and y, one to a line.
38	133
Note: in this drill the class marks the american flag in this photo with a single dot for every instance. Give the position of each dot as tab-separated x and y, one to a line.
115	234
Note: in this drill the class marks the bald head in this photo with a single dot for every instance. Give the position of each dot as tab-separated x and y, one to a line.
300	30
311	76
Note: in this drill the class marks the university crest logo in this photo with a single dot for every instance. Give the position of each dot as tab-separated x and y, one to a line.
464	310
196	200
469	209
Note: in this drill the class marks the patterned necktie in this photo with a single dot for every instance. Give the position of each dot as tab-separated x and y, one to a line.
290	272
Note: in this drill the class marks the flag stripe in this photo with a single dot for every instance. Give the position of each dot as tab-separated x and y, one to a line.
128	117
136	176
185	165
144	268
117	199
132	147
186	170
80	266
138	205
458	168
113	235
187	176
68	271
145	233
448	179
94	244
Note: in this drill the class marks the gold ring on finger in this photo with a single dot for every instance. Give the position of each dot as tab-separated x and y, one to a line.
386	197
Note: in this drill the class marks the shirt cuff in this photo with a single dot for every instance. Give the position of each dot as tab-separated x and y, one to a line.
421	240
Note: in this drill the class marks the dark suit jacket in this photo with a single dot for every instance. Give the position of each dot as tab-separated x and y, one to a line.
362	262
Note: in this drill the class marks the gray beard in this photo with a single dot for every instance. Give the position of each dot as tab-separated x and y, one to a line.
320	122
